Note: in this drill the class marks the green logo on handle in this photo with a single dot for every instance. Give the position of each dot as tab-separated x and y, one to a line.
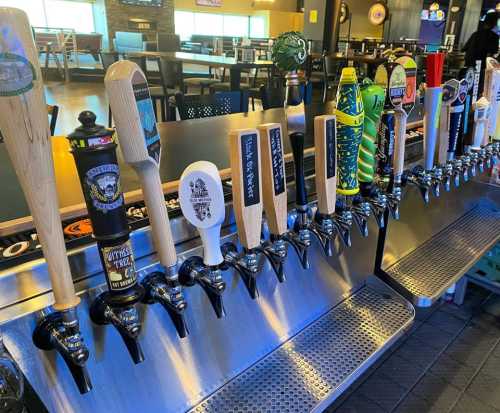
16	74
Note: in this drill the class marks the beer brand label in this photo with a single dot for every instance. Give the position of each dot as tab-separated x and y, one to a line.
146	116
250	169
16	74
103	186
462	91
200	199
120	267
79	228
331	149
277	160
397	86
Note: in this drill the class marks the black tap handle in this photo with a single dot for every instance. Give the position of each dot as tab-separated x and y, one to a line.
133	346
80	375
297	143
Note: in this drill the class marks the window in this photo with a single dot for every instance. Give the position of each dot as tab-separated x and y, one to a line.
189	23
258	27
77	15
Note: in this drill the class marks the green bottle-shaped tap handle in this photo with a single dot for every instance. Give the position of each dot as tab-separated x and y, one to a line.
373	97
350	116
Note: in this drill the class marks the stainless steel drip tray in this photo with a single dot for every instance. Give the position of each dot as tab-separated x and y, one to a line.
426	273
313	368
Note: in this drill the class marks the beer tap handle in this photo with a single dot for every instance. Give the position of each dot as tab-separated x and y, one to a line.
134	117
25	128
274	194
247	187
350	116
325	143
297	143
202	202
273	177
133	113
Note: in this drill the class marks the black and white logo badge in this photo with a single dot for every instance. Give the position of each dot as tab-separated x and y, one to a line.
200	199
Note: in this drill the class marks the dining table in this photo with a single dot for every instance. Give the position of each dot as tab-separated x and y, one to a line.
235	67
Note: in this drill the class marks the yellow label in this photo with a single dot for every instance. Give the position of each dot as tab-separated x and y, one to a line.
313	16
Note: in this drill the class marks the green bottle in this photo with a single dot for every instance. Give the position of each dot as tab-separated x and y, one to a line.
350	116
373	102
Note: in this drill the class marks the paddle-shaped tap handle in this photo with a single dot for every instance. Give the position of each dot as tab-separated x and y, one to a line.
482	111
247	186
350	116
273	177
325	143
297	144
202	202
432	107
450	94
456	112
133	113
25	128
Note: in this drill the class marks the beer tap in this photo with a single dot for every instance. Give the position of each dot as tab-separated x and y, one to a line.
274	196
94	150
402	112
134	117
430	176
491	141
25	129
289	53
373	96
462	164
450	170
392	76
481	117
247	204
327	223
350	114
202	202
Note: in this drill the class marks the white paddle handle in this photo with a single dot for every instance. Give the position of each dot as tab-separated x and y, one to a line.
399	144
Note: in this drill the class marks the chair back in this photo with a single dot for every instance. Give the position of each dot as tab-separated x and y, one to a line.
217	104
107	59
274	96
168	42
53	111
140	61
332	66
171	76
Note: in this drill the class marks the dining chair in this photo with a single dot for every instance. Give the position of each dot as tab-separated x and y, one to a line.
332	66
274	96
171	83
216	104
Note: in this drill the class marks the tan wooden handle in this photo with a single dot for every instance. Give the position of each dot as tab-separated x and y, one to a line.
273	177
444	134
247	186
399	143
128	95
25	127
158	215
325	142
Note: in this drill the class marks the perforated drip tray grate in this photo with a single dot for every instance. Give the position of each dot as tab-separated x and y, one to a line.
317	365
426	273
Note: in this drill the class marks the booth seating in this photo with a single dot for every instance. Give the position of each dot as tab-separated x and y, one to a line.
127	42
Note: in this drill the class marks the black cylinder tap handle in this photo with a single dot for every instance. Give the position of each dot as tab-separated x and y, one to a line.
297	143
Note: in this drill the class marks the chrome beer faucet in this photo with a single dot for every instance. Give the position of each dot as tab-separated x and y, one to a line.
202	202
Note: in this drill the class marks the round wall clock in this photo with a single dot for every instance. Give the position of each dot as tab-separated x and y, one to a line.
378	13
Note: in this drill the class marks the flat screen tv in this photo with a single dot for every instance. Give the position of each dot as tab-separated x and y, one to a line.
147	3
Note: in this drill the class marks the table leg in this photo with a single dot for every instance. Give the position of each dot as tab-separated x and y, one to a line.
235	75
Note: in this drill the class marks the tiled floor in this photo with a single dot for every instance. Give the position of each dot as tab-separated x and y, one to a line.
449	362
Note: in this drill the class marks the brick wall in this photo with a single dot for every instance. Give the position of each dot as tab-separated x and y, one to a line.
117	16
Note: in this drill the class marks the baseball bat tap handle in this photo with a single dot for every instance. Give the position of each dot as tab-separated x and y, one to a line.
297	143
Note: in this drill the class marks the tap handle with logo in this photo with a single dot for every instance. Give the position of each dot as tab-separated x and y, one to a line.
202	202
25	129
273	177
128	94
450	94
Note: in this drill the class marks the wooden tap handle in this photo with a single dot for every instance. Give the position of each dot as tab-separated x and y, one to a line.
325	143
25	128
130	101
247	187
273	177
401	119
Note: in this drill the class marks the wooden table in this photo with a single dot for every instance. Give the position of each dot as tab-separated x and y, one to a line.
230	63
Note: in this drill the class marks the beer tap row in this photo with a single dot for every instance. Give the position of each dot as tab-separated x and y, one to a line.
359	160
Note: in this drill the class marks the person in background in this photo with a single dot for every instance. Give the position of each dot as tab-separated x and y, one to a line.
481	44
